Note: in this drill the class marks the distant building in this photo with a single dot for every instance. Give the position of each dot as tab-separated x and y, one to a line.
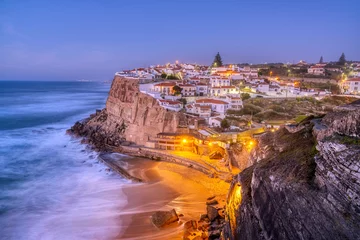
316	70
351	86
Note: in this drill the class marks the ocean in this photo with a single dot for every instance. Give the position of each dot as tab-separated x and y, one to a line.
51	186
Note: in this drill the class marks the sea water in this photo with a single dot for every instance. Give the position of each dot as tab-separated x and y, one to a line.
51	186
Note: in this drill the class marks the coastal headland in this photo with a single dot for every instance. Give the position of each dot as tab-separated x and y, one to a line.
299	182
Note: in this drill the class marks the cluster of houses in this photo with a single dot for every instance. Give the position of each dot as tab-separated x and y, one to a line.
210	92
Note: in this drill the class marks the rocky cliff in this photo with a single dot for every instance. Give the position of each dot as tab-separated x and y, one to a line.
305	183
130	115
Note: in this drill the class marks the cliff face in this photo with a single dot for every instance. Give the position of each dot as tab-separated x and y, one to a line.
129	115
304	184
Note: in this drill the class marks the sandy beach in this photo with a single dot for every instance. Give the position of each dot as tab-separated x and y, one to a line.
167	186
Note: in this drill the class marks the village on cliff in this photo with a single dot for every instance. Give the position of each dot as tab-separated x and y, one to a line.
239	102
266	130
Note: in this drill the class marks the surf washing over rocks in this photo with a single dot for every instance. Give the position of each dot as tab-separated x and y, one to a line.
51	185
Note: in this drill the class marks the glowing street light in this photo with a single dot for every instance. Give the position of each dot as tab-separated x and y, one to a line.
184	140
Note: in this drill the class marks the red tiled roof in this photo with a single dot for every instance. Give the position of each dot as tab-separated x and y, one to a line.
353	80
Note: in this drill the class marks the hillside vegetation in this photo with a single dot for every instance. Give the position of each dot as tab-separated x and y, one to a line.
263	109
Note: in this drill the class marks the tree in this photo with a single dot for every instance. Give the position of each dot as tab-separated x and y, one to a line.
321	60
177	90
183	100
163	75
224	124
342	60
245	96
172	77
217	61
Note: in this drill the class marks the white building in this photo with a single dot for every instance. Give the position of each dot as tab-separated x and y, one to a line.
170	105
351	86
164	87
216	104
203	111
216	81
202	89
316	70
215	121
235	103
223	91
188	90
263	87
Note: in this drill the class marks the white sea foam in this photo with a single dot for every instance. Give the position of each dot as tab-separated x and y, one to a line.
52	186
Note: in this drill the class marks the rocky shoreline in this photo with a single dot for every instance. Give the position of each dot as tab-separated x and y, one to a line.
209	225
300	182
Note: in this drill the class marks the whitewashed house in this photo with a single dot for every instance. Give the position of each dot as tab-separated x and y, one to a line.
263	87
216	81
188	90
223	91
202	89
164	87
215	121
316	70
235	102
217	105
351	86
170	105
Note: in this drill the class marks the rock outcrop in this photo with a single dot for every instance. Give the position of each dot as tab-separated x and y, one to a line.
163	218
304	185
129	116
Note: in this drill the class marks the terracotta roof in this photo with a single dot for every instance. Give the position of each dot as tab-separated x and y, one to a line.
211	101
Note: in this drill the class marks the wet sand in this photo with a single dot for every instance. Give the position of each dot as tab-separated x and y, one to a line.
166	186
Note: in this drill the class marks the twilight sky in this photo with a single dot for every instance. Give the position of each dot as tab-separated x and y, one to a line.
68	40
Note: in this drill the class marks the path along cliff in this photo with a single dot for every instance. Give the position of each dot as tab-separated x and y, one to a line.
305	183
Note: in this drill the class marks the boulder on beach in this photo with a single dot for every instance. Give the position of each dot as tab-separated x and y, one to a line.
212	202
212	212
162	218
191	225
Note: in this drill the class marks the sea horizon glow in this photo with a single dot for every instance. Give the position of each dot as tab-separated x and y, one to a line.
70	40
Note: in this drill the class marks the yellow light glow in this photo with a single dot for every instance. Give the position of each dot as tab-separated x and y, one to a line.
273	130
184	140
210	144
